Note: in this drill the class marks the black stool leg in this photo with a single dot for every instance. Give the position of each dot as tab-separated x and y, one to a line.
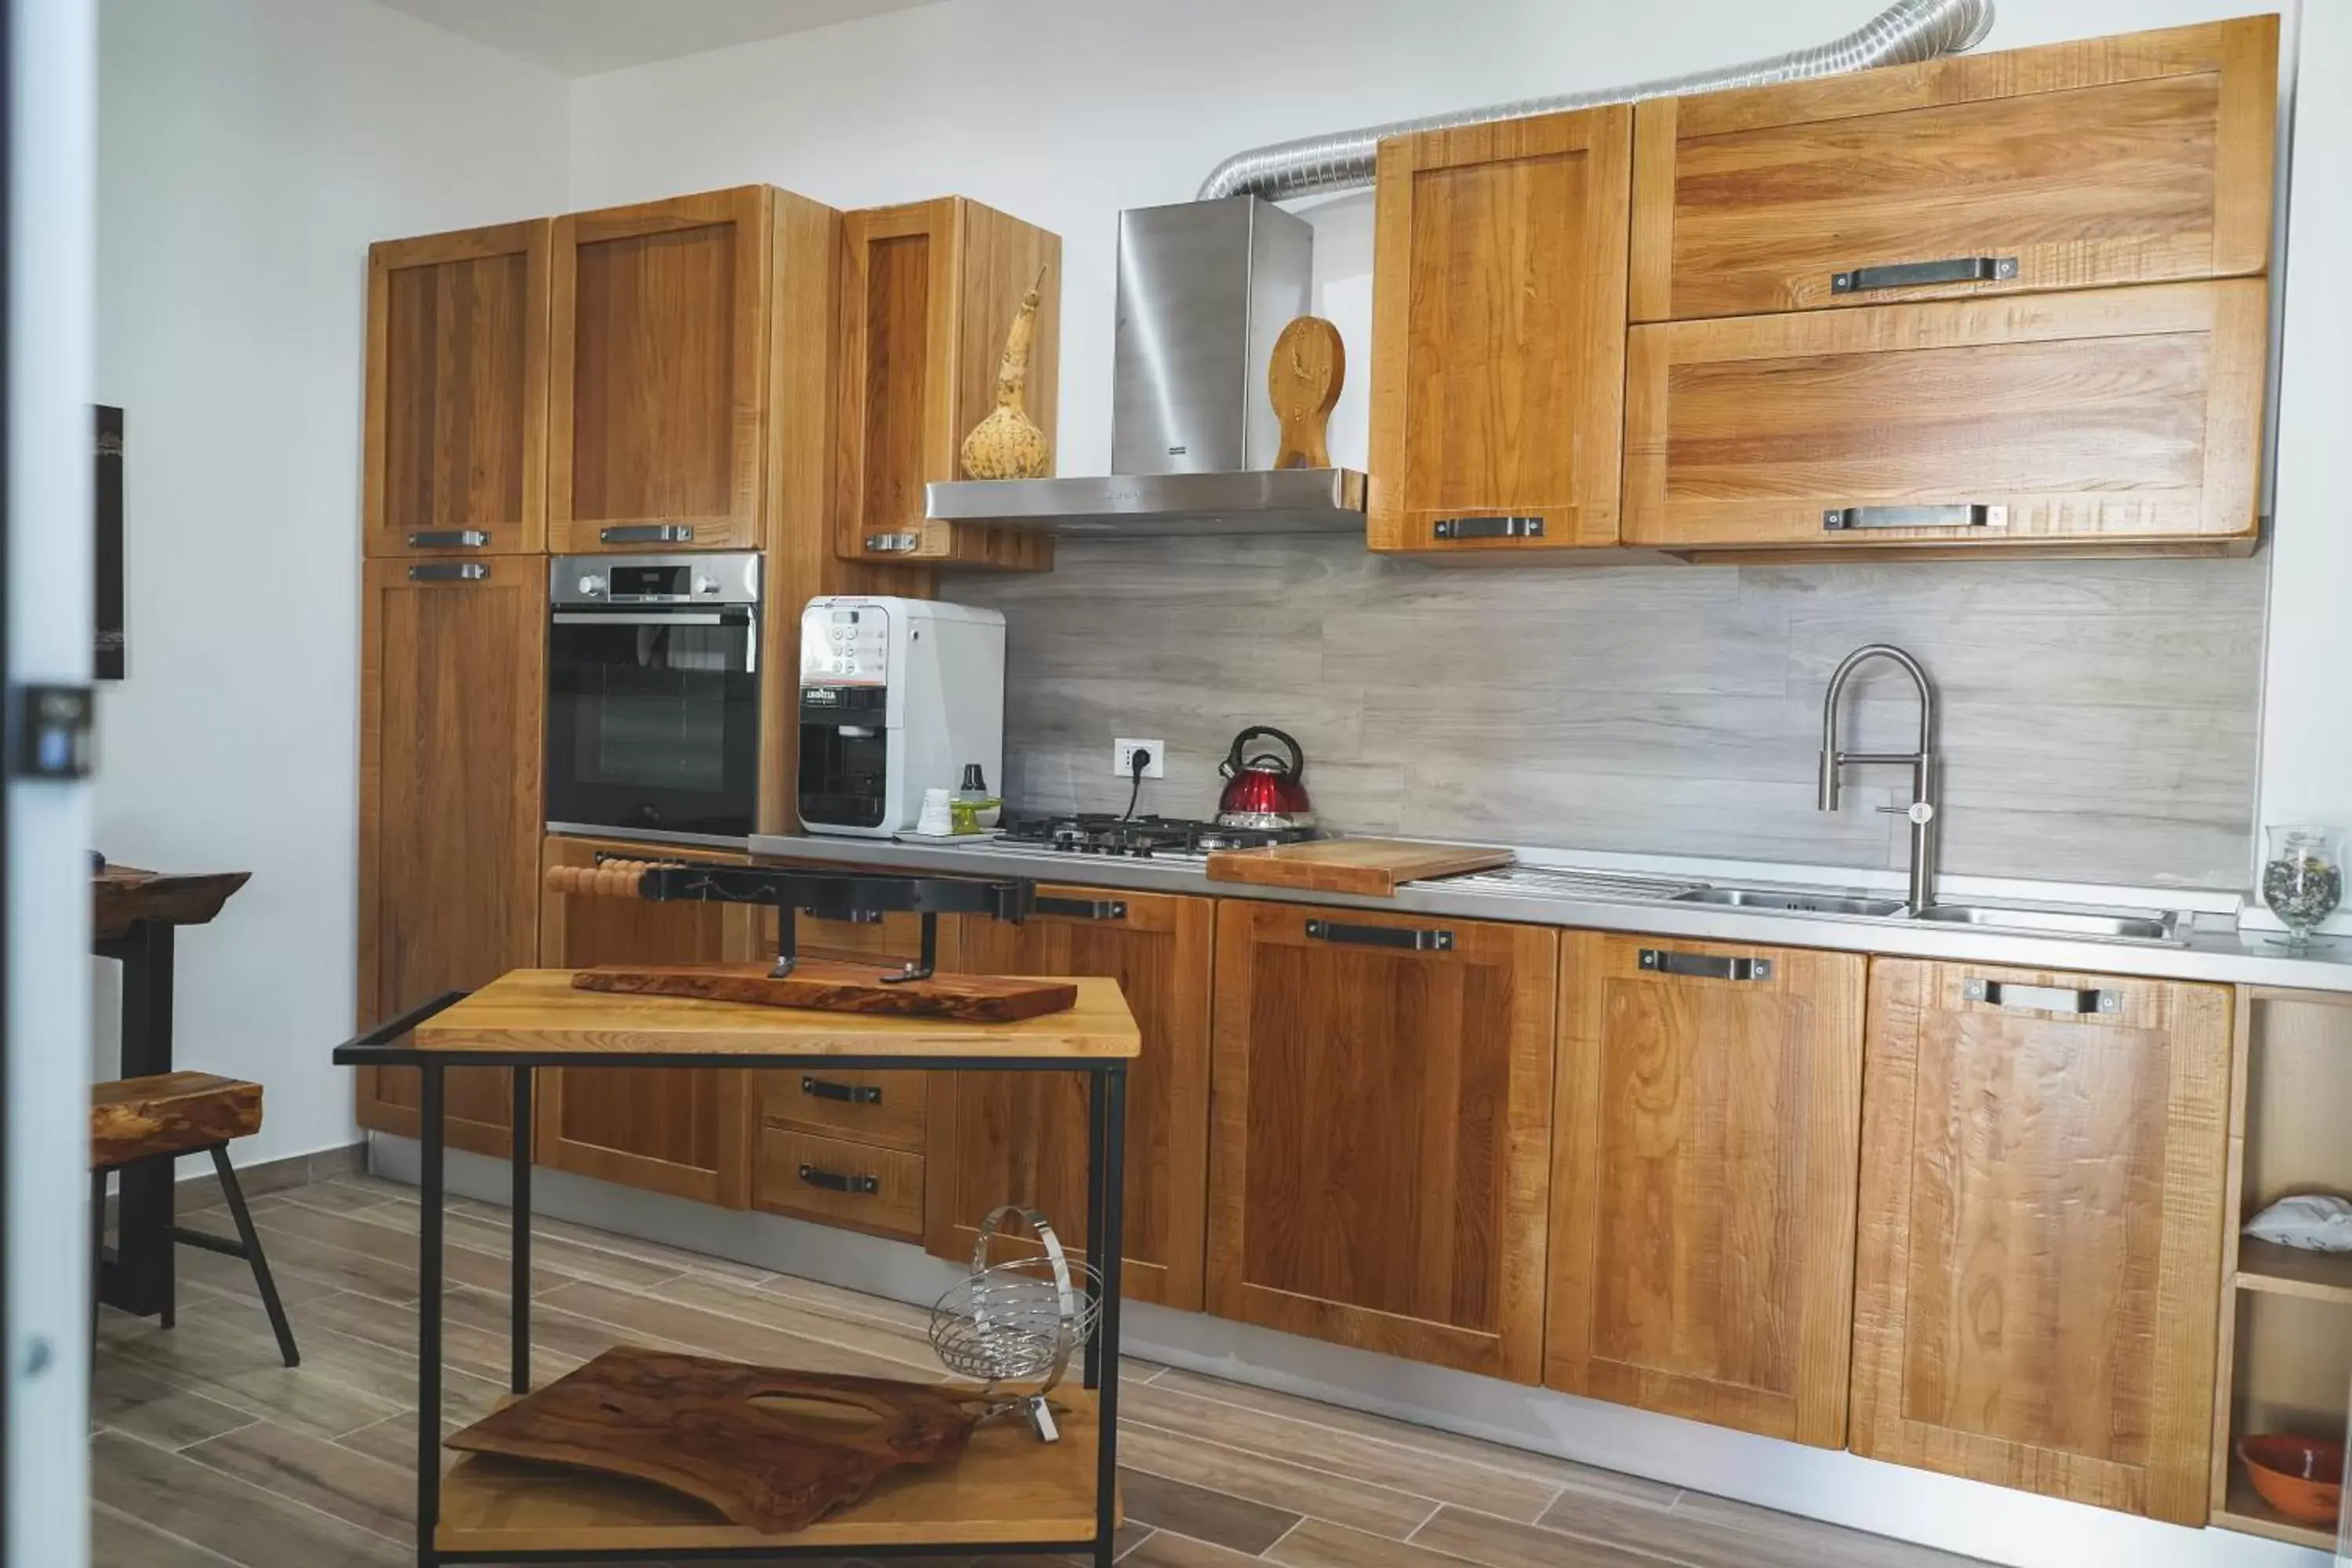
96	1254
266	1286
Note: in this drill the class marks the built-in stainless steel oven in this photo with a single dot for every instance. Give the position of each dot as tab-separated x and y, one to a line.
652	704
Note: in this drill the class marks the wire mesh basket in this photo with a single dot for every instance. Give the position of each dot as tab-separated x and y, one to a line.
1013	1325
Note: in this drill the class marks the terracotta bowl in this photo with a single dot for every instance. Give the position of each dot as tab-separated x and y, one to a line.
2300	1477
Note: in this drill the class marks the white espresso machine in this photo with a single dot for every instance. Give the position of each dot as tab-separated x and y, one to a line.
896	696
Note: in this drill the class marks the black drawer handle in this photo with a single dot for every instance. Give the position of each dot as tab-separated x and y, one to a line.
1081	909
647	534
834	1182
449	572
2041	999
450	538
1705	966
848	1093
1843	518
1489	528
1917	274
1382	936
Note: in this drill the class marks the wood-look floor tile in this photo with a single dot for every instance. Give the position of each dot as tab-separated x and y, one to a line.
358	1234
611	1241
1319	1544
495	1236
714	1334
234	1276
557	1338
117	1540
295	1257
1277	1483
1382	1463
241	1521
376	1186
393	1441
891	1328
328	1197
1166	1549
1542	1468
125	1398
242	1371
1770	1536
310	1469
886	1337
1506	1543
1204	1515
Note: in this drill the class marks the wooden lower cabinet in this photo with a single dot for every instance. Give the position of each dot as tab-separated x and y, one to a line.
680	1130
2041	1231
1382	1130
1706	1131
452	674
1007	1137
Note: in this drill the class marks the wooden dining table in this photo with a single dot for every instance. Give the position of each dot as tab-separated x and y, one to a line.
134	916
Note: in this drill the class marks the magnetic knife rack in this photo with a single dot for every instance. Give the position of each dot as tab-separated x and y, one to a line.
844	896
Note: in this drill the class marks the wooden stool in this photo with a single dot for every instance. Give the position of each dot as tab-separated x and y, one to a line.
135	1119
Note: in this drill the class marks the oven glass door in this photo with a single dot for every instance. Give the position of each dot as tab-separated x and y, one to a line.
652	719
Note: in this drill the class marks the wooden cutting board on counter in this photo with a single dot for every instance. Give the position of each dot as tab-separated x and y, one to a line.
831	986
1373	867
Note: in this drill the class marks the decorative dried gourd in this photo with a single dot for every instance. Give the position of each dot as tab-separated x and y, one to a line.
1007	444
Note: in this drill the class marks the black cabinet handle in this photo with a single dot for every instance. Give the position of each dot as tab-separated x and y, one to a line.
848	1093
450	538
647	534
834	1182
1917	274
1489	528
1382	936
1705	966
1081	909
449	572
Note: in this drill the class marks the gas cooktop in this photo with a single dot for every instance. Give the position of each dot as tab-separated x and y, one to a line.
1100	833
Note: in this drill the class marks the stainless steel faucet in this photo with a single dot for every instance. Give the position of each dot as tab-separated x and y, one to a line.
1922	810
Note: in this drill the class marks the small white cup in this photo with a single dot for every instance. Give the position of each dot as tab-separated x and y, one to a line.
936	818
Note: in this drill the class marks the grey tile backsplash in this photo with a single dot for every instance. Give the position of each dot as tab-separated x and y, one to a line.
2099	716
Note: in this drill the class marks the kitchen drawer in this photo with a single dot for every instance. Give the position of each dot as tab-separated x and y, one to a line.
793	1168
2137	159
2102	417
884	1109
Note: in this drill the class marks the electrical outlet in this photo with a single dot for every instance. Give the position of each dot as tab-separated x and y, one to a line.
1122	759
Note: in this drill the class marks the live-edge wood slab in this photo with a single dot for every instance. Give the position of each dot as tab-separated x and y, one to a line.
1007	1487
830	985
169	1113
1373	867
770	1448
538	1010
120	895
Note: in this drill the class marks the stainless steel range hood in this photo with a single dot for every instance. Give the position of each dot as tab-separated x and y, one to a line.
1204	288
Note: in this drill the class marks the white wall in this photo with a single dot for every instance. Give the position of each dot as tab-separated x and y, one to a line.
248	152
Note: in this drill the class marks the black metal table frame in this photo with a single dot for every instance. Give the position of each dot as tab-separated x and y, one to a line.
1106	1200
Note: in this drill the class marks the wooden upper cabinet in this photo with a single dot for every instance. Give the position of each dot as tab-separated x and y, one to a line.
928	292
680	1130
2041	1231
2135	159
452	657
1498	334
2097	417
658	373
456	393
1381	1128
1020	1137
1707	1126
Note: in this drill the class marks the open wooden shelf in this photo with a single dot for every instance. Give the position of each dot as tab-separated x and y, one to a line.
1007	1487
2295	1272
2246	1511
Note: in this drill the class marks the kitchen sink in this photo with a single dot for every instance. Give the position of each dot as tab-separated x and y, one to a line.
1801	903
2058	922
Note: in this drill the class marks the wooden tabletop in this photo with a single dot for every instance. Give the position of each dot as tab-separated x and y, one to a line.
538	1010
120	895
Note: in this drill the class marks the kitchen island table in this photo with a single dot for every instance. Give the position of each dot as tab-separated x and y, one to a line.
1009	1493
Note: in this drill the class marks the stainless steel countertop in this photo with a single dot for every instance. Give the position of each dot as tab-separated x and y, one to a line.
1557	895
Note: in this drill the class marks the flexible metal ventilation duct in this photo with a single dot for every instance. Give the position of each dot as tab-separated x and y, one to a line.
1905	32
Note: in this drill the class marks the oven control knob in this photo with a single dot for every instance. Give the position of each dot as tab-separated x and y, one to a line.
703	585
592	586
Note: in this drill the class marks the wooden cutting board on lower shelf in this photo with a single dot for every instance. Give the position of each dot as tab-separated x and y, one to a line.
1369	865
828	985
768	1447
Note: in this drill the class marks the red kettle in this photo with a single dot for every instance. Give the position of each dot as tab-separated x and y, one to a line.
1263	789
